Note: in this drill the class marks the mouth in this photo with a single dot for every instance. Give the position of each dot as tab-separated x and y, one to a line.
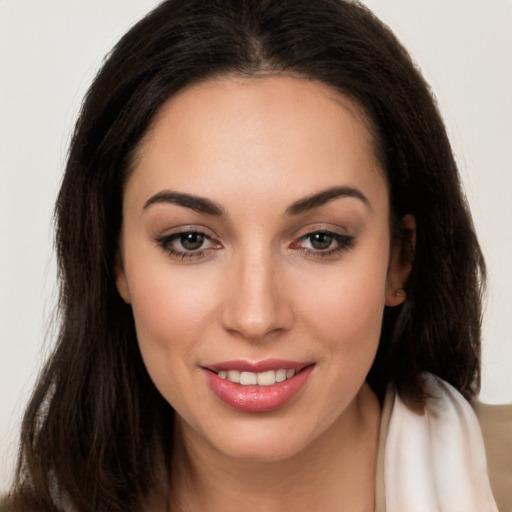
257	387
268	378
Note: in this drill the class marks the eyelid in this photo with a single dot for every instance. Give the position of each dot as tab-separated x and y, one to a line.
184	228
324	227
171	235
344	241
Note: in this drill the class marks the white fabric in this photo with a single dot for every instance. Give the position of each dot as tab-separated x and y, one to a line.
436	462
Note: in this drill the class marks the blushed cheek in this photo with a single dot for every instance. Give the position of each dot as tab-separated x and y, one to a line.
350	311
171	310
160	314
164	331
356	325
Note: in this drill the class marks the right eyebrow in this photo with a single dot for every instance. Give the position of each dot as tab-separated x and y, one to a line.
320	198
196	203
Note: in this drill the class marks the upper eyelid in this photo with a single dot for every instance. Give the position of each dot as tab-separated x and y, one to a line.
171	237
297	234
186	228
177	235
335	235
335	229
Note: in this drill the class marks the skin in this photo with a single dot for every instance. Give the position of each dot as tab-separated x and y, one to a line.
258	288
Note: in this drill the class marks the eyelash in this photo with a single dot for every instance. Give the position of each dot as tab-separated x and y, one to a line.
166	242
343	243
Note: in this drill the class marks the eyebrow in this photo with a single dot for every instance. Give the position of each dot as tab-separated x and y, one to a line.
203	205
199	204
323	197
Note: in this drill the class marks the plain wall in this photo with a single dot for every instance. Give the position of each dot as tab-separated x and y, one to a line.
49	52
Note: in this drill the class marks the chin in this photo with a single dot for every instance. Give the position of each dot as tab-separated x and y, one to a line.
267	447
264	437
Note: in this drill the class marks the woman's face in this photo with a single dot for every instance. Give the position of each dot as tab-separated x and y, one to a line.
255	253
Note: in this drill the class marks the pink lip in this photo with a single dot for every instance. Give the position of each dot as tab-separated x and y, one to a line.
257	398
256	366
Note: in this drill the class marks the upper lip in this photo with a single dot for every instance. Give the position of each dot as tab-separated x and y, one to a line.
266	365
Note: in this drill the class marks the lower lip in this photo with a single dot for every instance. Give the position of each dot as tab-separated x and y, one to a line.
257	398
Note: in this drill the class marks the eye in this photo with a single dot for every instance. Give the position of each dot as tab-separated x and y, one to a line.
187	244
323	243
192	241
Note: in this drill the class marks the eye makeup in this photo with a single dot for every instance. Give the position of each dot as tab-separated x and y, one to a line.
323	243
188	244
193	244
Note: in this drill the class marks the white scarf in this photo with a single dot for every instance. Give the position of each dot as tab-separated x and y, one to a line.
436	462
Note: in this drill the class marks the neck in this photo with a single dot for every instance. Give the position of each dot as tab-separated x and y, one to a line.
334	472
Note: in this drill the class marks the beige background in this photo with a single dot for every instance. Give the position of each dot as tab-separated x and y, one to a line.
49	52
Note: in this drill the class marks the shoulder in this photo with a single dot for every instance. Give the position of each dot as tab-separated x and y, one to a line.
450	441
496	425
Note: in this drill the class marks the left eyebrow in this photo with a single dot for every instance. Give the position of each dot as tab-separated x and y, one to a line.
199	204
323	197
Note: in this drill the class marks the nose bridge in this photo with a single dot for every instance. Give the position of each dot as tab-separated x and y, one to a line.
256	306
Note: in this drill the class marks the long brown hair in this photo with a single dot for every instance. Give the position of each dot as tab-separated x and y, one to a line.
96	427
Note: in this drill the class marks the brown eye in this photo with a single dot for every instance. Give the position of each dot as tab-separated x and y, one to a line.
321	241
188	245
323	244
192	241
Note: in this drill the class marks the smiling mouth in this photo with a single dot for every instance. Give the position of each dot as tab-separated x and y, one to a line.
257	387
268	378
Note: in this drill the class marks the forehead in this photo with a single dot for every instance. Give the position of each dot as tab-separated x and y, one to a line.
233	134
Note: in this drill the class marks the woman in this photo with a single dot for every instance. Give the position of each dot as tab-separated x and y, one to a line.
270	280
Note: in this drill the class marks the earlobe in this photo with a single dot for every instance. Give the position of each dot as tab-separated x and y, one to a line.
395	297
401	260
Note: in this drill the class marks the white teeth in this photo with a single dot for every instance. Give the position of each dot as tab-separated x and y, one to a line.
234	376
267	378
247	378
280	375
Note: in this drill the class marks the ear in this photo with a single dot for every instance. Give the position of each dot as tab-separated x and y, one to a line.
120	277
402	256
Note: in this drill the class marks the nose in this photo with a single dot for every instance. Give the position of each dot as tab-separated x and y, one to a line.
256	305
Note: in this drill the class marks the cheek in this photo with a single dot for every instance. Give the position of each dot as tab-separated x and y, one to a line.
347	307
165	305
170	309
